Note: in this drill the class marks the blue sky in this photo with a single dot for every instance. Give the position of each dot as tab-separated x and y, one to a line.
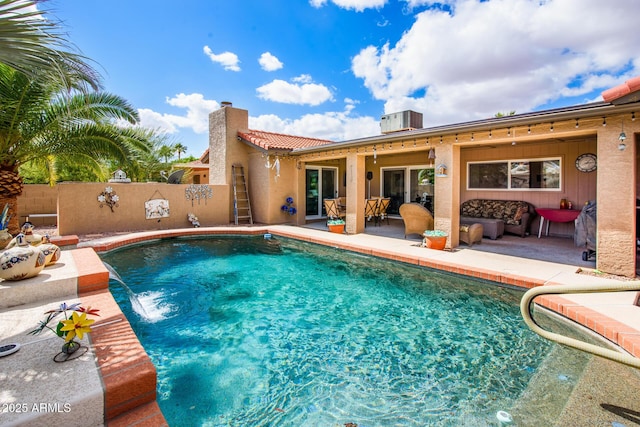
330	68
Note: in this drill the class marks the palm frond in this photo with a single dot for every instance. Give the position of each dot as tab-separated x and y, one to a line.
35	46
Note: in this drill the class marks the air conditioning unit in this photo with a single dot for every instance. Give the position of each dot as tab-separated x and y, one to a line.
404	120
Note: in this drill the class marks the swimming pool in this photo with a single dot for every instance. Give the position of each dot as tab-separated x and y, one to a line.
246	331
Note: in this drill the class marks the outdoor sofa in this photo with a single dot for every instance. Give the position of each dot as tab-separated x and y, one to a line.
498	216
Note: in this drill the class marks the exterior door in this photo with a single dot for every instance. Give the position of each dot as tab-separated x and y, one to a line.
421	189
393	187
321	183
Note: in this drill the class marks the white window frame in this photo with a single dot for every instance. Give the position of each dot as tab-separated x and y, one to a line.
509	163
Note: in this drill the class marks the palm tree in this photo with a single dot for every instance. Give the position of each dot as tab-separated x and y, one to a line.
165	152
34	45
41	120
180	149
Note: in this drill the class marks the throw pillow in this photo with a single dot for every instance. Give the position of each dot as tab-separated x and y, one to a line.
518	216
464	228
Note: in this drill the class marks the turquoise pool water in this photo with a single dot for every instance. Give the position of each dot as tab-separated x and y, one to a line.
245	331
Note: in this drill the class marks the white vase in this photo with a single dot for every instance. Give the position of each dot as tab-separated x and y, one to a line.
5	238
22	261
51	253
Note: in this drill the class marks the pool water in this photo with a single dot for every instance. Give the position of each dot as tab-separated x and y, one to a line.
246	331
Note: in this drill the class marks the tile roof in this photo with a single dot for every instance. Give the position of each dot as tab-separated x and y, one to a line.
279	141
629	91
202	162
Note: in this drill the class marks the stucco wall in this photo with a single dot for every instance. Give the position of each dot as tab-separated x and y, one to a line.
81	212
38	199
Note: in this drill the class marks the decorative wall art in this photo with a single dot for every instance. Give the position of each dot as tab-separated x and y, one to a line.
109	198
156	208
198	192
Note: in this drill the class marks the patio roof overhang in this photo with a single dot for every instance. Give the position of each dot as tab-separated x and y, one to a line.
498	129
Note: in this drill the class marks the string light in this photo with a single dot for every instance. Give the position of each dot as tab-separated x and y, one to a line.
577	124
604	121
551	128
529	129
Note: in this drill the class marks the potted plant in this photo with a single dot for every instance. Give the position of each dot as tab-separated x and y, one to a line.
435	239
336	225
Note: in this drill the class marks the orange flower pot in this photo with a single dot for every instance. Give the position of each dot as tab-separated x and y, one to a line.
336	228
435	242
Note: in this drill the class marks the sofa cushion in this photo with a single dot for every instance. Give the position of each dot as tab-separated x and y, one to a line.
513	211
510	211
472	208
494	209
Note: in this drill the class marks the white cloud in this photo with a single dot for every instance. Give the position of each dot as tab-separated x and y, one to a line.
479	58
357	5
303	78
302	91
269	62
196	118
228	60
336	126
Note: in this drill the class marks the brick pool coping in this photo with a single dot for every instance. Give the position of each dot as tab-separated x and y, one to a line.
129	377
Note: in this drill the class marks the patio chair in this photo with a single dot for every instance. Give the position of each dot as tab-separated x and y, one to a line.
416	219
370	211
381	213
333	212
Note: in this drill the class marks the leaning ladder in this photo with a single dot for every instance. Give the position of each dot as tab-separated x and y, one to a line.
241	203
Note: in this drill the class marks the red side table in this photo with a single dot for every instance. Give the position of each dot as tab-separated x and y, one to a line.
555	215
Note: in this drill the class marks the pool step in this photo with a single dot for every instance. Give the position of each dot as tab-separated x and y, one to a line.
115	382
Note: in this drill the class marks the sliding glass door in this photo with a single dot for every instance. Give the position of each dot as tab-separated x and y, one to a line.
321	183
408	184
393	187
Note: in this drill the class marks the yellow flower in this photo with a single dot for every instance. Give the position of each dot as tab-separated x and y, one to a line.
77	325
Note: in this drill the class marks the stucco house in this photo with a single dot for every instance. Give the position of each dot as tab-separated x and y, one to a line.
553	148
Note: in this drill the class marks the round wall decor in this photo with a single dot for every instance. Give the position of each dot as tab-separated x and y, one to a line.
586	162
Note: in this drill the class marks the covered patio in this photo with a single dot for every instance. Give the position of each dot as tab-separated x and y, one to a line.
557	249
